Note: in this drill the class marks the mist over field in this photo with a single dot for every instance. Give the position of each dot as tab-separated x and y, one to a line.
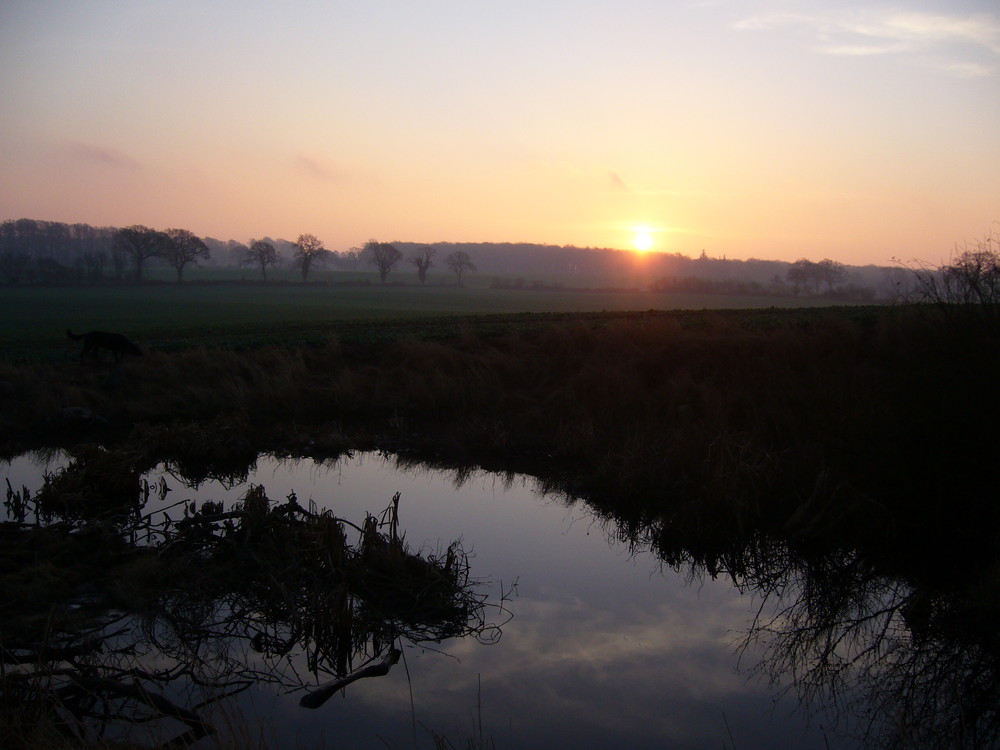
51	252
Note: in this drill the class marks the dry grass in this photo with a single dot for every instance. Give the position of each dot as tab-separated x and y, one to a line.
761	415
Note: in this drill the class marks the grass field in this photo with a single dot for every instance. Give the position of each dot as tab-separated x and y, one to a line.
159	315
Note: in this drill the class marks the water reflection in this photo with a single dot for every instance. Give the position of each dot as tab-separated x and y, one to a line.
629	625
896	655
116	617
902	666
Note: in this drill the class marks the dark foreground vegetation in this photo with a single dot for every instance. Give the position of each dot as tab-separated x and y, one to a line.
836	445
763	408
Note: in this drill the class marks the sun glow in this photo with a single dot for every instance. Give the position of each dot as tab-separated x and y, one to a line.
642	240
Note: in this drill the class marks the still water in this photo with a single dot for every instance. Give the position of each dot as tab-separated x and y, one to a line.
602	646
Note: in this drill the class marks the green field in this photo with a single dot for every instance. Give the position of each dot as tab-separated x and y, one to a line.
161	315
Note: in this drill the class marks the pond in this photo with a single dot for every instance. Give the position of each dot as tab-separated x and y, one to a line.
591	642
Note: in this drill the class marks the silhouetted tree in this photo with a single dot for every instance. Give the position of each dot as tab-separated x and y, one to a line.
830	272
119	262
183	247
384	256
968	286
459	262
308	250
974	276
799	274
49	270
423	260
261	254
140	243
349	259
65	244
236	251
94	261
13	264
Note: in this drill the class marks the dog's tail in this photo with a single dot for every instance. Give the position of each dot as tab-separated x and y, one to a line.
72	335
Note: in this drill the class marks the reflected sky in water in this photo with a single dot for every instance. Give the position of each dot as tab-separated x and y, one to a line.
605	648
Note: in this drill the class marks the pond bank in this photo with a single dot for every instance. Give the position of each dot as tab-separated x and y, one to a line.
770	415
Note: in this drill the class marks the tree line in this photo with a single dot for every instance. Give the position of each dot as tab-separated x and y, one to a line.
826	278
511	263
53	252
308	251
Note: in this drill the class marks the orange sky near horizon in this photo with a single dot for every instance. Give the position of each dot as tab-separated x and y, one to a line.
756	128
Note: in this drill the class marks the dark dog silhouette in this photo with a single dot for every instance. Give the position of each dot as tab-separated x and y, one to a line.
115	343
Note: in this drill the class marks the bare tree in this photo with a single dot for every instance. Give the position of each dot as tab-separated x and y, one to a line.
974	276
12	266
261	254
968	286
459	262
350	259
423	260
308	250
800	273
236	251
140	243
183	247
384	256
831	272
95	260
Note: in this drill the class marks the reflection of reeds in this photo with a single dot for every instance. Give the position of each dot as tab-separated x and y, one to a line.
101	628
96	483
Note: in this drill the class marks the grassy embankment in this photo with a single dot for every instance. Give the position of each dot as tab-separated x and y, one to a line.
764	412
751	409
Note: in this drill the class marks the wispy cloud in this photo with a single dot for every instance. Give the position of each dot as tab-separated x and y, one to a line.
951	39
588	176
318	168
102	155
963	69
616	181
860	50
981	29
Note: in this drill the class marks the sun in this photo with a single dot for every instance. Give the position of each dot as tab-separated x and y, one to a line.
642	240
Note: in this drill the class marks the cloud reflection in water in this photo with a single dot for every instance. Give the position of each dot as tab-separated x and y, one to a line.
606	648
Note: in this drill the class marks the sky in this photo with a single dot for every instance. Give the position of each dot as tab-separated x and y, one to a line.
775	129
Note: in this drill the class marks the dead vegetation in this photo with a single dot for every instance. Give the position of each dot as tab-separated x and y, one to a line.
148	618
